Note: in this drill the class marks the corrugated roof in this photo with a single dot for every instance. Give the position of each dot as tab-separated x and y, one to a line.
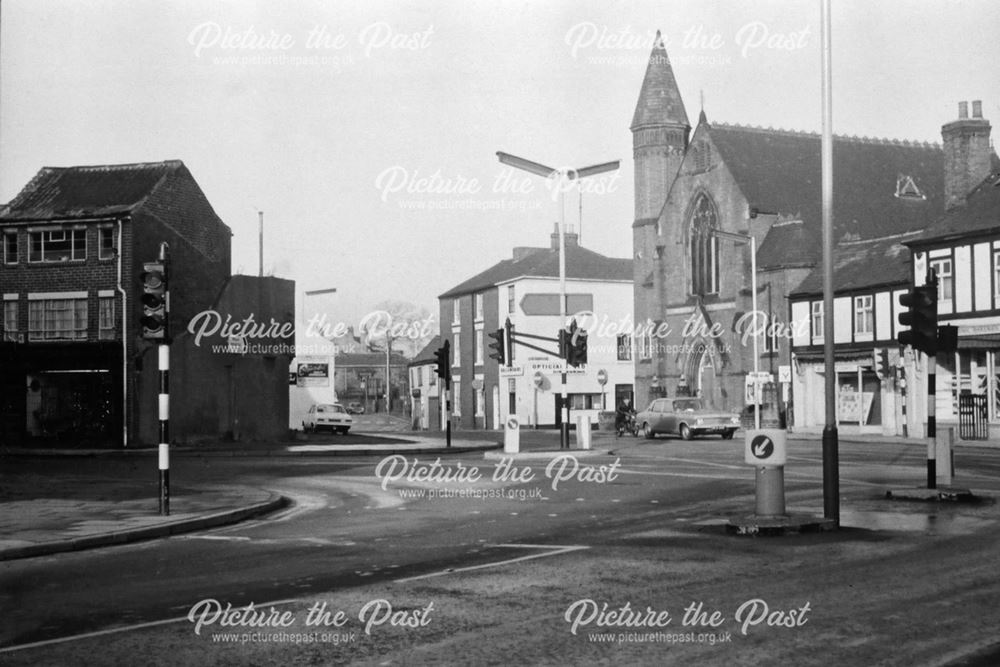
581	263
779	172
864	264
89	191
980	213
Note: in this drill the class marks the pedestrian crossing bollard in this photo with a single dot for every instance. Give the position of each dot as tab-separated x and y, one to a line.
512	435
583	432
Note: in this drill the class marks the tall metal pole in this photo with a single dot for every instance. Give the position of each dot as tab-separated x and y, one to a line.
756	351
563	403
260	243
388	352
831	474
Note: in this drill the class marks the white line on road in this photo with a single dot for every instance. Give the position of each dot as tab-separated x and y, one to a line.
552	551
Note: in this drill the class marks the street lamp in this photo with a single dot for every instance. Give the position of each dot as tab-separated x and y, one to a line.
743	238
568	174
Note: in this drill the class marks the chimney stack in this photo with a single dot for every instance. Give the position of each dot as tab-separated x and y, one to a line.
572	238
967	153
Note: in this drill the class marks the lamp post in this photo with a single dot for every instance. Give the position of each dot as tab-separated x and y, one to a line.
743	238
560	174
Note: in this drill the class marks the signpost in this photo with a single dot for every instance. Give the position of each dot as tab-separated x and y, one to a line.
602	379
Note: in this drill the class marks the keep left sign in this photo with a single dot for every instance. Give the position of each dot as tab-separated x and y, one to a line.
765	447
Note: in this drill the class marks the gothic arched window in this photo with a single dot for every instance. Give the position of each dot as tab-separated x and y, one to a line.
704	247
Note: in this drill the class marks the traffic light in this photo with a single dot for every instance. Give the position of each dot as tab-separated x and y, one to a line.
155	301
576	345
947	338
443	356
921	317
499	347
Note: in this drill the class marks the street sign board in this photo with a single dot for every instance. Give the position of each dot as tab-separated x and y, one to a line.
784	373
511	435
538	379
511	371
765	447
602	377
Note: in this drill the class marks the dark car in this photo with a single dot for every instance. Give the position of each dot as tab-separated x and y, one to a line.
355	408
686	417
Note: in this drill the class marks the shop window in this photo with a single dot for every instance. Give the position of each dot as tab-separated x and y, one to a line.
57	319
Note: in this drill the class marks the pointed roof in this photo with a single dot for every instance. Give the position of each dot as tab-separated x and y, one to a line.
659	100
862	265
91	191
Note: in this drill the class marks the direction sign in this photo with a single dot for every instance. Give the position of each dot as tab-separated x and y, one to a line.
765	447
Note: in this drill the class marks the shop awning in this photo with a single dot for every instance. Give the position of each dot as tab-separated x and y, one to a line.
979	342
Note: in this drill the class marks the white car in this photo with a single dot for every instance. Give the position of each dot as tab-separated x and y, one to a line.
331	416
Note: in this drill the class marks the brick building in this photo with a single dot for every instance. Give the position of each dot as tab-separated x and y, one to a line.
74	367
702	194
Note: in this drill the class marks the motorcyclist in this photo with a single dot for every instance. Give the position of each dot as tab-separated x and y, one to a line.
622	414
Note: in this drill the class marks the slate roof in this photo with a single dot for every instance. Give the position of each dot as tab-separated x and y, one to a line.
779	172
87	192
980	214
659	98
426	355
581	263
863	265
788	244
164	190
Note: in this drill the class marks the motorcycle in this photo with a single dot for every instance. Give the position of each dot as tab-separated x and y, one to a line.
628	425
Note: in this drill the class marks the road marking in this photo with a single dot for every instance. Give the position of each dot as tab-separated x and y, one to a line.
552	551
124	628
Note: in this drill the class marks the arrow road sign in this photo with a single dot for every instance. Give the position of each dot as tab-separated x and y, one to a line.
762	446
765	447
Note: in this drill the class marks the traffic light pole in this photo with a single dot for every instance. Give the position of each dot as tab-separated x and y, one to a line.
163	350
447	391
563	401
931	421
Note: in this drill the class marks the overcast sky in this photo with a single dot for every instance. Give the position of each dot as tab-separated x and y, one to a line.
335	118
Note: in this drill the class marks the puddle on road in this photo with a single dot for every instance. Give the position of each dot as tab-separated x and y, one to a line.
929	524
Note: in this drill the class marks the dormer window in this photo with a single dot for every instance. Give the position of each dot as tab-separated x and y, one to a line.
906	188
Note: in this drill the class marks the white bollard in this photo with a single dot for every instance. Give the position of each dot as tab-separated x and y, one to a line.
583	432
943	448
512	435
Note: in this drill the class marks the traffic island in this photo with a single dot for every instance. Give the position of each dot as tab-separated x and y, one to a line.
940	494
754	525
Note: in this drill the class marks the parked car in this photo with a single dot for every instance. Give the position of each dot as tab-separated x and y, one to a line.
331	416
355	408
686	417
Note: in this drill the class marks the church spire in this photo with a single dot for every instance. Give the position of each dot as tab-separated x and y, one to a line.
659	100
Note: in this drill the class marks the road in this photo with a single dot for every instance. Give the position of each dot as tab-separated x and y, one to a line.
353	526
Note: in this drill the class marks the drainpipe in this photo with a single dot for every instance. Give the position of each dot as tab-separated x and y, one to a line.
121	290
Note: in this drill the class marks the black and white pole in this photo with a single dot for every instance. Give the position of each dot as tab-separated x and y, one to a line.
164	411
931	422
447	392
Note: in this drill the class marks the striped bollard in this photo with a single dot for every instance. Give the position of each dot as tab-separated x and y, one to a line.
164	411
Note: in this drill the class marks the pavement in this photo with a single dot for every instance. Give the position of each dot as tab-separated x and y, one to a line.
55	521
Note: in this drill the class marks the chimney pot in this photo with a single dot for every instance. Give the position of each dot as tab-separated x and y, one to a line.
977	108
963	110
